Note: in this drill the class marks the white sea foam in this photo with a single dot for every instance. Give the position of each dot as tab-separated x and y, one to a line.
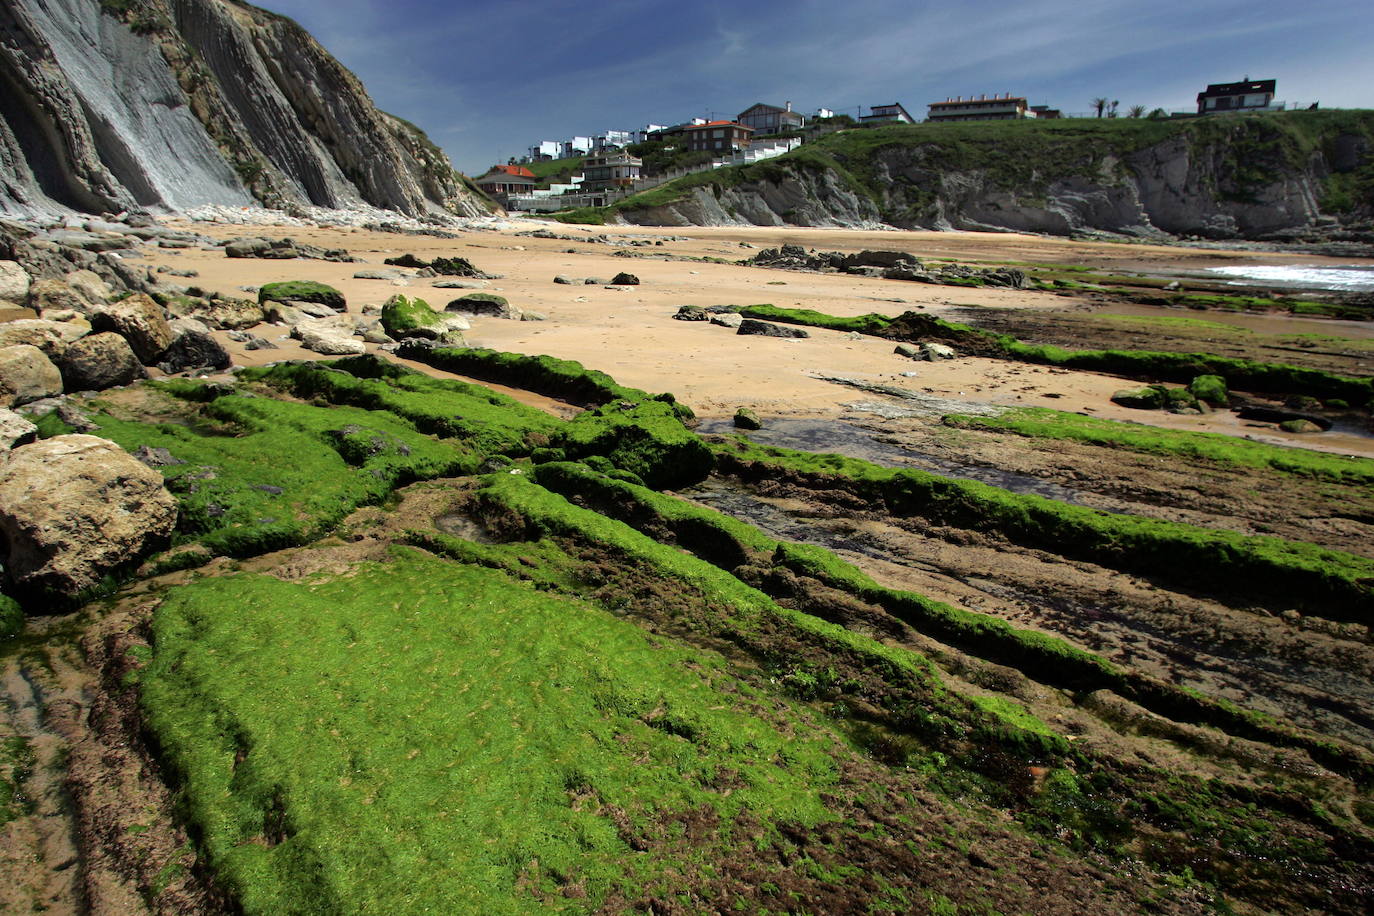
1305	276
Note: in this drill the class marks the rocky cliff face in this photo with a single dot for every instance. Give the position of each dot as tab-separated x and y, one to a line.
1296	176
121	104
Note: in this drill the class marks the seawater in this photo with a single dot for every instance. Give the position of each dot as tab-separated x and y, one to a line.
1340	278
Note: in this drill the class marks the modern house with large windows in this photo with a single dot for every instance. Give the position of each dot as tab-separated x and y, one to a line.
770	119
717	136
1247	95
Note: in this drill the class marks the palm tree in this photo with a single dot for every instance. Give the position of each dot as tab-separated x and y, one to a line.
1112	112
1099	105
1136	111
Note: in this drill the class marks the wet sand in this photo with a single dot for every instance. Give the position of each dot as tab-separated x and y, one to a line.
629	331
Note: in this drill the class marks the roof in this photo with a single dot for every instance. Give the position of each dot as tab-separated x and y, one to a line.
999	100
763	105
717	124
499	175
1245	86
517	170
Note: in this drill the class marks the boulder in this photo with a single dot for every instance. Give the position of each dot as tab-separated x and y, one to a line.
15	430
14	281
911	351
747	419
74	508
52	337
99	361
55	295
139	320
303	291
1299	426
403	316
26	374
566	281
691	313
768	329
373	274
933	351
1150	397
193	347
89	285
331	343
281	313
225	313
1210	389
624	279
730	320
459	284
483	305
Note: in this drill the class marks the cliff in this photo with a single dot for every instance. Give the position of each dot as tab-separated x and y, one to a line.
127	104
1282	177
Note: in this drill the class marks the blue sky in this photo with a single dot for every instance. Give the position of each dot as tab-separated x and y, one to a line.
488	80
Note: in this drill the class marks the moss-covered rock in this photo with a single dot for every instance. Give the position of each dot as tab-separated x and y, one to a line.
1210	389
303	291
402	316
1150	397
647	439
1181	400
11	617
747	419
1299	426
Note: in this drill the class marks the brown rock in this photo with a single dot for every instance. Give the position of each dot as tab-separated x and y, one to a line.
140	320
26	374
73	508
52	337
98	362
55	295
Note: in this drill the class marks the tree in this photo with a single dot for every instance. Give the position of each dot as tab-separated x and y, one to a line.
1158	114
1099	105
1112	112
1136	111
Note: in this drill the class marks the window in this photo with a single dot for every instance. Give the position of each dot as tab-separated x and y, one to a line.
719	133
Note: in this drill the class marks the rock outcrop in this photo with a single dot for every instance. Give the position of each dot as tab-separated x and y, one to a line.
171	104
1291	176
73	508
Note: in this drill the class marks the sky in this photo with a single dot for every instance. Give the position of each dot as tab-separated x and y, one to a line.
488	80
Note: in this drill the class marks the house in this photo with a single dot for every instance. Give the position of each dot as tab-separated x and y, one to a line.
501	181
612	139
545	149
1004	107
1247	95
717	136
577	146
770	119
615	169
880	113
1045	112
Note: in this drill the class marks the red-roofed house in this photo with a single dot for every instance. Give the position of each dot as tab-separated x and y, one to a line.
501	181
717	136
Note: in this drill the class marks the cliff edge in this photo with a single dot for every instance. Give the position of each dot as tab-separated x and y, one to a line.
1293	176
128	104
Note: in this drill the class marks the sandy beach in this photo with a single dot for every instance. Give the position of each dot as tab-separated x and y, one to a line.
629	331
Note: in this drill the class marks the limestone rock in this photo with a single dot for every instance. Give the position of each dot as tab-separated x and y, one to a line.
911	351
193	347
57	295
691	313
768	329
26	374
73	508
14	281
730	320
89	286
1299	426
933	351
331	344
225	313
99	361
624	279
484	305
140	320
15	430
281	313
52	337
